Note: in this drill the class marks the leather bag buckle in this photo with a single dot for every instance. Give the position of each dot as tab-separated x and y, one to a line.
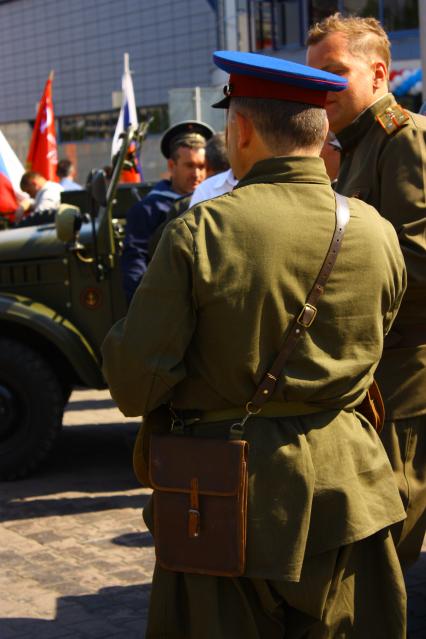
307	315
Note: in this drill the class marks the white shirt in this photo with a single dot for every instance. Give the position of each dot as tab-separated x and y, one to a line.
70	185
49	197
214	186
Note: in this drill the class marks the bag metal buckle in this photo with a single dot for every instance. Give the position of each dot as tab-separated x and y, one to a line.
307	315
178	425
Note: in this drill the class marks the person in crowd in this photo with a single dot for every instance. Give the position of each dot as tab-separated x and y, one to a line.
330	153
131	171
46	195
66	174
227	285
219	180
183	145
383	158
219	176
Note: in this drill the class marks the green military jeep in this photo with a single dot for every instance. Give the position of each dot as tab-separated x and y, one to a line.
60	292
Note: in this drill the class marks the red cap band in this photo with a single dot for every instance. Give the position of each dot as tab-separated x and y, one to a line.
246	86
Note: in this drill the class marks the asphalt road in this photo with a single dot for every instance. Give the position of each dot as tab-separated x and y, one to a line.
75	557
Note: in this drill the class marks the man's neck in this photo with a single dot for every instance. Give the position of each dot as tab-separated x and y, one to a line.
370	105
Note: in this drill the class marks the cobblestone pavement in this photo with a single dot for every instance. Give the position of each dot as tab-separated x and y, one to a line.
76	559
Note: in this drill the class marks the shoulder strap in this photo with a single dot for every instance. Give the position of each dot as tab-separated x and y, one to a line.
308	313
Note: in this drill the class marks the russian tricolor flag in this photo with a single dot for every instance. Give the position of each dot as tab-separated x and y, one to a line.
11	171
128	114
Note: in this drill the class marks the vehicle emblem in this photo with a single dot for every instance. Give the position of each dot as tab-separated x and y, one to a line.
91	298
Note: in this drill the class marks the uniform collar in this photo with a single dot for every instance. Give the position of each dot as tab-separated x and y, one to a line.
164	188
356	130
287	169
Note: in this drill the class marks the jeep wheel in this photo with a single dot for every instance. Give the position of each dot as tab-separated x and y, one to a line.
31	408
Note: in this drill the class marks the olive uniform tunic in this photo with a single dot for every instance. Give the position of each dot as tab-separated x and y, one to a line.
384	164
203	327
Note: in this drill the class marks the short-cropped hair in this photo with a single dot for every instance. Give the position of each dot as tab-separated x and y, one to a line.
216	153
27	177
64	167
364	35
285	125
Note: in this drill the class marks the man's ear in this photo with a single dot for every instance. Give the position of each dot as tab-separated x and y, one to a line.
245	130
380	74
170	165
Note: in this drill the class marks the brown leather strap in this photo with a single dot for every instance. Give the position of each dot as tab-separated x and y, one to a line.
308	313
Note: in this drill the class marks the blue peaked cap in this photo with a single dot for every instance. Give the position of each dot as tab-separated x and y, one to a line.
261	76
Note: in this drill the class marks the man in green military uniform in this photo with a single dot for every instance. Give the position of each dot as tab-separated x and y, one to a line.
383	163
225	283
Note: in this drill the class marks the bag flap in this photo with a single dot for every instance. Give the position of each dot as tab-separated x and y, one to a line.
217	464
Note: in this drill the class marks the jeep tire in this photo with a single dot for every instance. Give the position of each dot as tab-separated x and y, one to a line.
31	408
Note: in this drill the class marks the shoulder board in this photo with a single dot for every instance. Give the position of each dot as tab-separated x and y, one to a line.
392	118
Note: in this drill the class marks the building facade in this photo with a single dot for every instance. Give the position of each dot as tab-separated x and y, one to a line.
83	41
170	43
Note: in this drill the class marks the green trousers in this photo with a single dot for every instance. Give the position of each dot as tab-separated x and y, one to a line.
405	444
354	592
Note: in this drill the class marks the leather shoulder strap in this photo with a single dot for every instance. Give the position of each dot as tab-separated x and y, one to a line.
308	312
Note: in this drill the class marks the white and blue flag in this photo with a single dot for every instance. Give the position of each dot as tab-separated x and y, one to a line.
128	114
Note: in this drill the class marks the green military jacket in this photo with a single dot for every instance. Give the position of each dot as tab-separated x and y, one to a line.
384	164
210	315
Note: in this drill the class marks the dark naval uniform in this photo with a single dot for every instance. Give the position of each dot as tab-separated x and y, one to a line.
209	317
383	163
142	220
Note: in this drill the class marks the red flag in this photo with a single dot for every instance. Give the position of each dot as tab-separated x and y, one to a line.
43	156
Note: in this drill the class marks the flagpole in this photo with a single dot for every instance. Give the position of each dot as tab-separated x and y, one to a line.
126	63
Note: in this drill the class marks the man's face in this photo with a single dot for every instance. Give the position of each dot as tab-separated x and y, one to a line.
332	54
188	170
232	142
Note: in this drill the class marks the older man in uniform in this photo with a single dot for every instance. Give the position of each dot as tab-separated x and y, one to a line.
224	287
183	145
383	163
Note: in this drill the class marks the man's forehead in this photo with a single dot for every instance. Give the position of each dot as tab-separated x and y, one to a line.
185	152
333	44
337	46
334	48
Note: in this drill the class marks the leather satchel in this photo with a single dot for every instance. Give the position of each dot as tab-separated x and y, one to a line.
200	503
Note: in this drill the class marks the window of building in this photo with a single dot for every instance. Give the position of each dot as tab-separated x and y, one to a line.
97	126
399	15
395	15
277	23
317	9
283	23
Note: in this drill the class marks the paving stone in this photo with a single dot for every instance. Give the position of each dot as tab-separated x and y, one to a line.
76	558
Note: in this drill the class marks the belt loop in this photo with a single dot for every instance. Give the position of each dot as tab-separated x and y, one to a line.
194	512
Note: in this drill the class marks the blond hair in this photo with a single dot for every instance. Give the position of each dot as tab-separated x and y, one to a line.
364	35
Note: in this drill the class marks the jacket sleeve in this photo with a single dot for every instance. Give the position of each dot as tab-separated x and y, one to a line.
403	202
144	353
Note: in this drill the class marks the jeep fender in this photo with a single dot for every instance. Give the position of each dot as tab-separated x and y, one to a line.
55	329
